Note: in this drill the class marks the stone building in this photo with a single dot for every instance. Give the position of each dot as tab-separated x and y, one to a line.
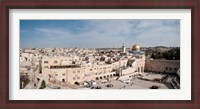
77	69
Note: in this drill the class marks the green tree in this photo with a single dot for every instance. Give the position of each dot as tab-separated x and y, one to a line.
43	85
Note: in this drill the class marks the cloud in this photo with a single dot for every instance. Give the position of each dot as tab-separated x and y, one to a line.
111	33
53	33
163	33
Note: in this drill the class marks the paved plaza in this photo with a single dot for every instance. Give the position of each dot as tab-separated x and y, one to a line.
134	83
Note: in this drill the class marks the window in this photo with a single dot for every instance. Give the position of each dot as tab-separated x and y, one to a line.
78	71
56	74
45	66
45	61
74	78
78	77
166	68
74	71
55	62
90	69
63	74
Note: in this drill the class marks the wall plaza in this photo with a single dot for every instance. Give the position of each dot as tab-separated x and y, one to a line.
73	67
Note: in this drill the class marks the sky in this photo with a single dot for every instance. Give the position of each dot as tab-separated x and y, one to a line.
103	33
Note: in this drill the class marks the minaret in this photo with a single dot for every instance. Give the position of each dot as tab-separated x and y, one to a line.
40	66
123	48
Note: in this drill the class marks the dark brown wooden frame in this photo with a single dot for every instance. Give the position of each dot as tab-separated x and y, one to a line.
98	4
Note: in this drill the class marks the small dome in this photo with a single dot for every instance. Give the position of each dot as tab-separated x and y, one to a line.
136	47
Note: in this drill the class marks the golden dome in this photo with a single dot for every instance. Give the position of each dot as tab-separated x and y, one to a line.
136	47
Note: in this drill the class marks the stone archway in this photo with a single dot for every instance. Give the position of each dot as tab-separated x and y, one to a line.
77	83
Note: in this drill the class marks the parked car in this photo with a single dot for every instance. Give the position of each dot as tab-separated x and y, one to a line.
98	87
127	81
154	87
109	85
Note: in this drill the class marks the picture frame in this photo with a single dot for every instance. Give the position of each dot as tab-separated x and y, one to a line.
89	4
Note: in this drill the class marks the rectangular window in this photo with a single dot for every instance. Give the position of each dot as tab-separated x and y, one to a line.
63	74
45	61
56	74
74	78
46	67
74	71
78	77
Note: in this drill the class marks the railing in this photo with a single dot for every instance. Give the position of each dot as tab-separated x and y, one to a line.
65	66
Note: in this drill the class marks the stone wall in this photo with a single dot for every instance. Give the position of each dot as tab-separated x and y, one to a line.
162	66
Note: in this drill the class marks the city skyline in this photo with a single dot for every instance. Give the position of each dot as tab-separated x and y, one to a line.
99	33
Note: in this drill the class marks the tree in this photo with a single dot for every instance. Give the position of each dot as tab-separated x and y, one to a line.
43	85
173	54
153	56
25	80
